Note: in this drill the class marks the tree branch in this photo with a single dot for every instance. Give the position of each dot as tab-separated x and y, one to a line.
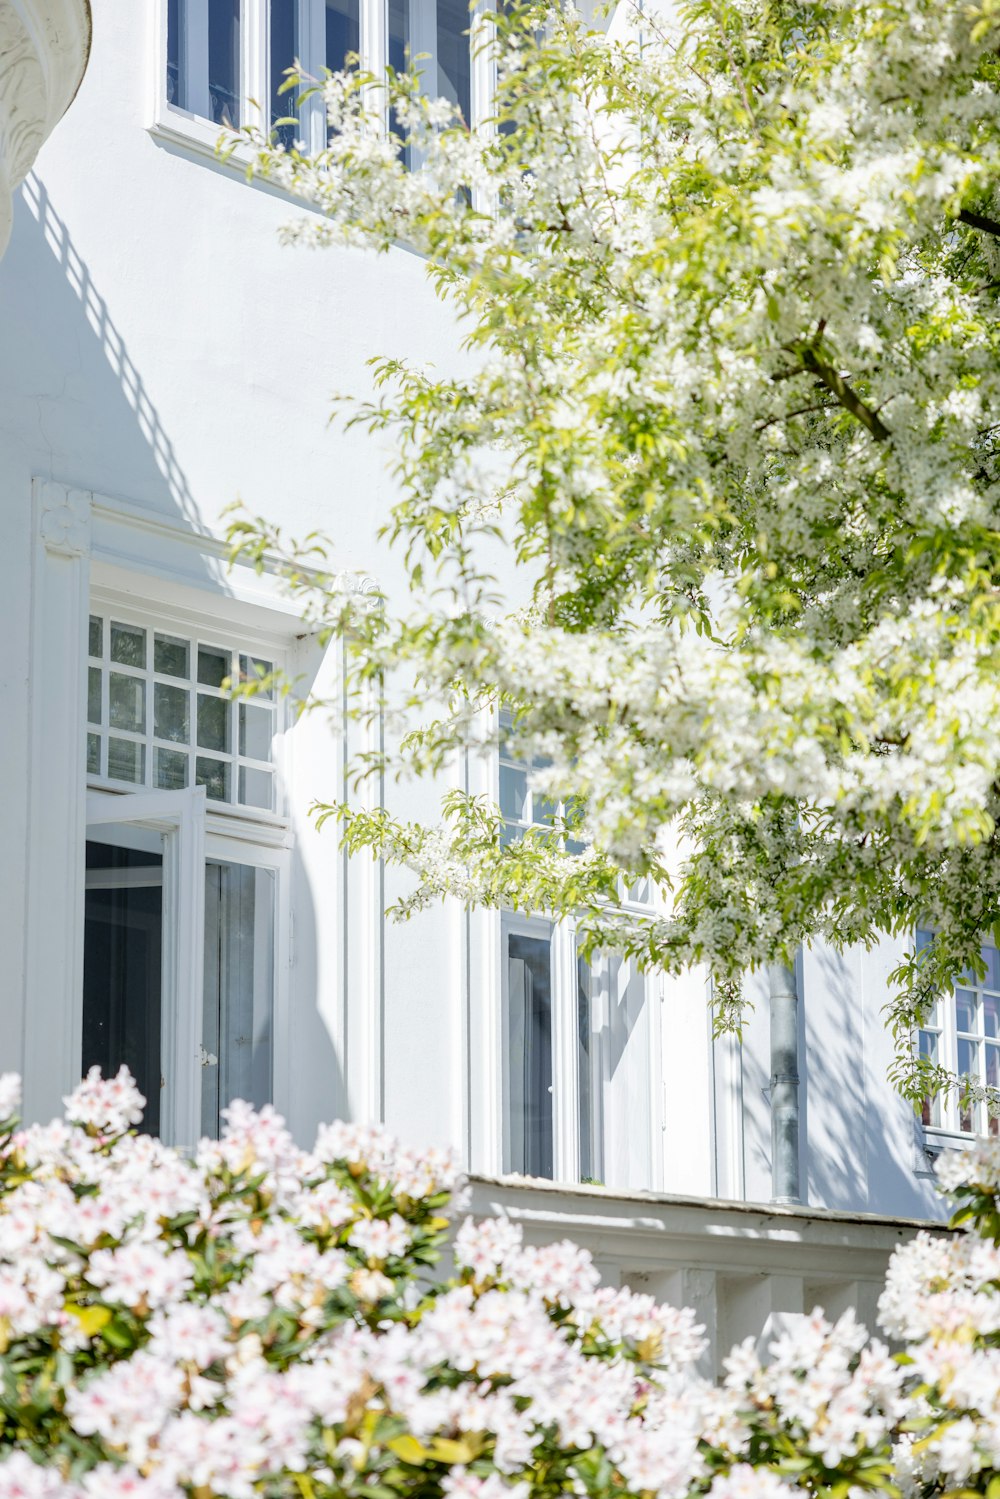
848	398
980	221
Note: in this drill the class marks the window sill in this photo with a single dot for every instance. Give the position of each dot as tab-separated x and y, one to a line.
176	127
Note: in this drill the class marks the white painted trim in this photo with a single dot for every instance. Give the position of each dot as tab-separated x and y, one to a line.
54	856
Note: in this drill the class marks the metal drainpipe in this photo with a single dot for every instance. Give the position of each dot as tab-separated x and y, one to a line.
784	1084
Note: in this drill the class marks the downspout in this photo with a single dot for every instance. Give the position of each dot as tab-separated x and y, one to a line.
784	1000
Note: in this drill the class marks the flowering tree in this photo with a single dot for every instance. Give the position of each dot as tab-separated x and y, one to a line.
261	1322
729	271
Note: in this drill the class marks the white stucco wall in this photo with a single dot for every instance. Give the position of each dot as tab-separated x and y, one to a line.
160	348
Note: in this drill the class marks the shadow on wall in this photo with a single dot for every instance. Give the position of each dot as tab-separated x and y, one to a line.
75	407
88	405
869	1161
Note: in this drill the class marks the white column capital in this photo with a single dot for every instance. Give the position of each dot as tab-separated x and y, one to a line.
63	517
44	46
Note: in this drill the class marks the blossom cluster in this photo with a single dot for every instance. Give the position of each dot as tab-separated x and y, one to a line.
263	1320
728	273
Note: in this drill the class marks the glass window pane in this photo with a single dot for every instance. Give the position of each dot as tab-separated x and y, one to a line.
239	988
224	61
454	73
992	1059
256	731
343	31
93	694
929	1046
213	666
400	46
214	775
127	703
965	1010
923	937
543	811
172	713
256	788
992	956
514	792
213	722
590	1164
174	55
93	754
123	933
128	645
252	669
171	769
968	1059
96	642
127	760
171	656
285	48
529	1055
991	1014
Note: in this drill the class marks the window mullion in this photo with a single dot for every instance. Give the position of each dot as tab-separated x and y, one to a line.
565	1069
254	81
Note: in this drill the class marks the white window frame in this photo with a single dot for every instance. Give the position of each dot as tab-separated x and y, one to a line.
948	1133
181	127
196	830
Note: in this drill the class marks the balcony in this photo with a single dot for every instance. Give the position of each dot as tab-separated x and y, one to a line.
747	1269
44	46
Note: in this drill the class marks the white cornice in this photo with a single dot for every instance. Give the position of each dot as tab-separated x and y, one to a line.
44	46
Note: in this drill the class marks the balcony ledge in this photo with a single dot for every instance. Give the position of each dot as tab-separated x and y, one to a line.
44	47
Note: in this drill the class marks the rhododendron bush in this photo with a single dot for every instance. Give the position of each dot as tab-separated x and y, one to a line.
262	1320
729	273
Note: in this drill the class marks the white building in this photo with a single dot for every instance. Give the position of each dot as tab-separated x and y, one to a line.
166	898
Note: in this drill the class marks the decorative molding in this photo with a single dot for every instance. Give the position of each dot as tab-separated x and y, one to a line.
44	47
64	519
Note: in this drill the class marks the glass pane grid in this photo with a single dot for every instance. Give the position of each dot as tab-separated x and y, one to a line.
158	715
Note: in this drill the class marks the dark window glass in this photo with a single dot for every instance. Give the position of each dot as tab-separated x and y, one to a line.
174	53
224	61
454	73
529	1054
123	935
284	51
343	31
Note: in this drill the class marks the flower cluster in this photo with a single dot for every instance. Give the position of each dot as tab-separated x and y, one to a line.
264	1320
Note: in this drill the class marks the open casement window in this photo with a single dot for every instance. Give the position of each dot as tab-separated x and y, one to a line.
551	1063
221	55
962	1034
179	959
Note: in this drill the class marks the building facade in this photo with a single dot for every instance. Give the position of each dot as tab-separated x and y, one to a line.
168	900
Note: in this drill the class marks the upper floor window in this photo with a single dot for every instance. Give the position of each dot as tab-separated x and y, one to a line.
222	54
158	715
962	1034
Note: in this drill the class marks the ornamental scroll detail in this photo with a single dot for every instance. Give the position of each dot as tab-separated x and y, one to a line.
64	519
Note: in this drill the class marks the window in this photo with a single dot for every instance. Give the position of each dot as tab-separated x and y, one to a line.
566	1025
962	1034
182	897
222	54
157	714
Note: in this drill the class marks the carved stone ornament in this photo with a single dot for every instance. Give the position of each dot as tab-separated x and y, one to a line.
64	519
44	46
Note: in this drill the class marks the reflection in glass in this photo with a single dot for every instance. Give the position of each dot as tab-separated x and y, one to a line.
213	666
121	968
171	769
127	702
239	988
256	727
343	31
93	694
214	776
128	645
93	754
171	656
224	61
253	669
256	788
171	708
126	760
213	723
96	636
965	1010
528	1026
285	48
590	1164
514	792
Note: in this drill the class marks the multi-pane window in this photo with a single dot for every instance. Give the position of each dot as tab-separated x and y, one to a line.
523	807
223	54
159	715
962	1034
